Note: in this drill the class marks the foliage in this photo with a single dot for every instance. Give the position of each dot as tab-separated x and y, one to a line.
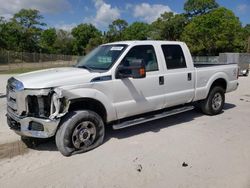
137	31
47	40
247	37
93	42
199	7
116	30
64	42
10	35
218	31
29	23
168	26
207	28
29	18
82	34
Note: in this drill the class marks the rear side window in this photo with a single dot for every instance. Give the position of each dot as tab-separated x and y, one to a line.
174	56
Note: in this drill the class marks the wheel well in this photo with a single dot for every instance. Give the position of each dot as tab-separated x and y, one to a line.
220	82
89	104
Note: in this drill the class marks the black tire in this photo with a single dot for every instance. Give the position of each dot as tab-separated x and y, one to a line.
246	74
80	131
214	102
32	143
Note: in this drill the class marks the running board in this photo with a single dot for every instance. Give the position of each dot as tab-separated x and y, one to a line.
152	117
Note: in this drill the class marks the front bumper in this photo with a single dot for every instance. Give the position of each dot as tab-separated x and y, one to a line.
21	125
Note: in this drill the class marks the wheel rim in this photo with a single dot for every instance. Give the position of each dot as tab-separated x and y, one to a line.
217	101
84	134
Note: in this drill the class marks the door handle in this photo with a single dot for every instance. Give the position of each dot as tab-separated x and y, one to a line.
161	80
189	76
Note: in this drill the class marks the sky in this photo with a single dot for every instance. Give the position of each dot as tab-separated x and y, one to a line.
66	14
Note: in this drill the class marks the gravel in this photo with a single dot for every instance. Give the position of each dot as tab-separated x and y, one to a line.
215	148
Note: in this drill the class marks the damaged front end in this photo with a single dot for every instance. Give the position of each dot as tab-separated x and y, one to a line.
51	105
34	113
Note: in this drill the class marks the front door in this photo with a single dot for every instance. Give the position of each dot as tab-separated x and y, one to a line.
136	96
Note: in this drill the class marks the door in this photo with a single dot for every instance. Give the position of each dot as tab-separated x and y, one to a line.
136	96
179	78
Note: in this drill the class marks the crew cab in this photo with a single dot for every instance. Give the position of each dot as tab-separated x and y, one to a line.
117	84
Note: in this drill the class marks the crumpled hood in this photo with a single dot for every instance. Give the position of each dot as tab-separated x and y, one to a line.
55	77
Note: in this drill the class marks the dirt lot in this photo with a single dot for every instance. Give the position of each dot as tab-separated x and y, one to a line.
185	150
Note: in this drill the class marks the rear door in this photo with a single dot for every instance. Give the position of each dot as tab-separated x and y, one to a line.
179	77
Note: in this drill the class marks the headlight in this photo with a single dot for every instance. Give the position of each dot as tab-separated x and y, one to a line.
15	84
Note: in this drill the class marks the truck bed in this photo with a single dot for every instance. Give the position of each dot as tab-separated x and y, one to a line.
207	73
209	64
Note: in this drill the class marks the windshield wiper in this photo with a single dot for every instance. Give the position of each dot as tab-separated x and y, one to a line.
85	67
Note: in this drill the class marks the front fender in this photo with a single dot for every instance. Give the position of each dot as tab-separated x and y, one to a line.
93	94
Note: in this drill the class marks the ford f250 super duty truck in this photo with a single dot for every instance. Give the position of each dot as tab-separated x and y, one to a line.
118	84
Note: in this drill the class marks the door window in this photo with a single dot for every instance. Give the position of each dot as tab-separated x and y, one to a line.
174	56
145	53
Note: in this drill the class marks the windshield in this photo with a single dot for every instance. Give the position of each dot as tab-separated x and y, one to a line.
102	58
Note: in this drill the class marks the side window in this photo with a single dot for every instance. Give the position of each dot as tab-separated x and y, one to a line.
174	56
144	52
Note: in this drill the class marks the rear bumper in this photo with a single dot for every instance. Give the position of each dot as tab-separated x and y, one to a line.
22	126
232	86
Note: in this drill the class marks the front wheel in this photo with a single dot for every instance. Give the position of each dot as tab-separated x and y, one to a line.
214	102
79	132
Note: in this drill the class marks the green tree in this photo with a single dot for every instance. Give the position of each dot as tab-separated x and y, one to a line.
214	32
47	40
82	34
247	37
168	26
2	32
137	31
29	18
116	29
10	35
63	43
31	26
93	43
199	7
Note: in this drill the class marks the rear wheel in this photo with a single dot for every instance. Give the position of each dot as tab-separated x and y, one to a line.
214	102
80	131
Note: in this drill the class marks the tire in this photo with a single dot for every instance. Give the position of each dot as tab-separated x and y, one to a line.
32	143
246	74
80	131
214	102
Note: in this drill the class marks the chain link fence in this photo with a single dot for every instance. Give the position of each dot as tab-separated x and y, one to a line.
242	59
11	61
206	59
22	61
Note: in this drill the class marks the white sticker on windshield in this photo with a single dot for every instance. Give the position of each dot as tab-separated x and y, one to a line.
116	48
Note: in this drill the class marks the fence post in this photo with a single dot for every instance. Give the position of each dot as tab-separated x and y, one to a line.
21	54
8	59
34	58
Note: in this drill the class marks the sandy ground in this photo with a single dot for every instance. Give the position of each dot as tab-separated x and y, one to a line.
215	152
6	136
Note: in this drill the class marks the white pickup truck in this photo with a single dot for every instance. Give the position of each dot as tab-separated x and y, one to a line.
118	84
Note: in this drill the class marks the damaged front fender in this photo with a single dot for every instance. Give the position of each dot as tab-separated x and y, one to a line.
59	104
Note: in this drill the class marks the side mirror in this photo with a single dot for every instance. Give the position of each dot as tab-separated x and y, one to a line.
136	69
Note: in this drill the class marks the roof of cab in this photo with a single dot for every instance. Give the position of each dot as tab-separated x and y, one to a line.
142	42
